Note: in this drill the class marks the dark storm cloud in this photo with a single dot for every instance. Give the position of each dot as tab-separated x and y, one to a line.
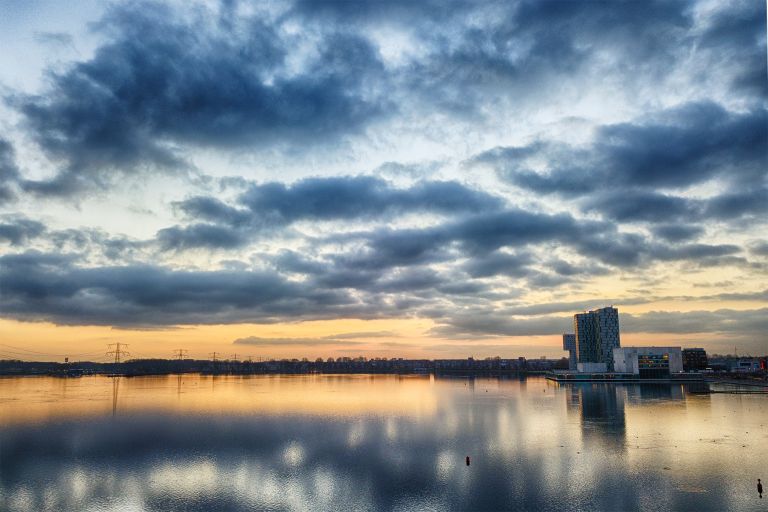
478	236
17	230
211	209
499	263
675	148
677	232
9	172
696	251
514	227
517	51
358	197
587	304
387	248
57	288
735	38
39	286
294	262
471	289
686	145
500	323
744	202
759	247
96	243
168	79
409	280
477	323
753	321
405	11
199	236
636	205
163	80
642	205
274	205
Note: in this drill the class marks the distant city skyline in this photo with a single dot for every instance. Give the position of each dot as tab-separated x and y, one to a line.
387	179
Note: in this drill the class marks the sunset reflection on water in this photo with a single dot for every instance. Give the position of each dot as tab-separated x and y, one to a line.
385	442
25	400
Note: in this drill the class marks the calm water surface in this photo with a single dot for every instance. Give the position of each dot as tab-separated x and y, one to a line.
197	443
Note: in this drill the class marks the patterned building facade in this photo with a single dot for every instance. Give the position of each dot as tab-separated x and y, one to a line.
597	334
569	344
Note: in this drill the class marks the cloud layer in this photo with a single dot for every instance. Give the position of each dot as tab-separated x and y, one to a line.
491	167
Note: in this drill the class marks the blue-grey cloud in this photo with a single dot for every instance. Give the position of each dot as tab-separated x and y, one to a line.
478	236
475	323
17	230
634	205
751	201
200	236
38	286
678	147
519	51
165	88
9	172
499	263
162	79
677	232
735	38
759	247
274	205
361	197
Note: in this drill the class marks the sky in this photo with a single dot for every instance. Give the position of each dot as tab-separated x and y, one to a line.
435	179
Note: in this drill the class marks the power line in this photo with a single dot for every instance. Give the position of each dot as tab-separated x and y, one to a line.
181	353
214	356
26	350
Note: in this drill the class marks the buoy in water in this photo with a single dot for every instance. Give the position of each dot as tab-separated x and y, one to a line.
467	460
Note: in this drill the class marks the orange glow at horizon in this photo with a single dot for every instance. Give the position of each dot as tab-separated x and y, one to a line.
408	338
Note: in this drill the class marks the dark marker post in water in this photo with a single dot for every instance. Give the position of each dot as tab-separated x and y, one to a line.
759	483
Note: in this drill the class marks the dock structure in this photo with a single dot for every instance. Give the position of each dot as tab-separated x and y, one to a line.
621	378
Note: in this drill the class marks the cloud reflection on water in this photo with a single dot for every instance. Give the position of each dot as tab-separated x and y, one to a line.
533	446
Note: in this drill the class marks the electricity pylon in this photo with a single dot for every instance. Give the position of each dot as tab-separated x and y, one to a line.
181	353
118	351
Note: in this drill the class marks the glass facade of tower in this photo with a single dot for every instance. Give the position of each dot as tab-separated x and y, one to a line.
597	334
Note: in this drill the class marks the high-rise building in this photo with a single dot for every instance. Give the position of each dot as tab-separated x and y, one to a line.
569	344
597	334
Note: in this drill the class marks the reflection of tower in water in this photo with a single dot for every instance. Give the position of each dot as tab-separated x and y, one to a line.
602	414
115	389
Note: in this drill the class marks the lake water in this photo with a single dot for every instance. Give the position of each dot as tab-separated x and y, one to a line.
359	442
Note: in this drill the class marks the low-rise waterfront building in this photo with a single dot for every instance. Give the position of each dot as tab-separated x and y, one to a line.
650	362
745	365
694	359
